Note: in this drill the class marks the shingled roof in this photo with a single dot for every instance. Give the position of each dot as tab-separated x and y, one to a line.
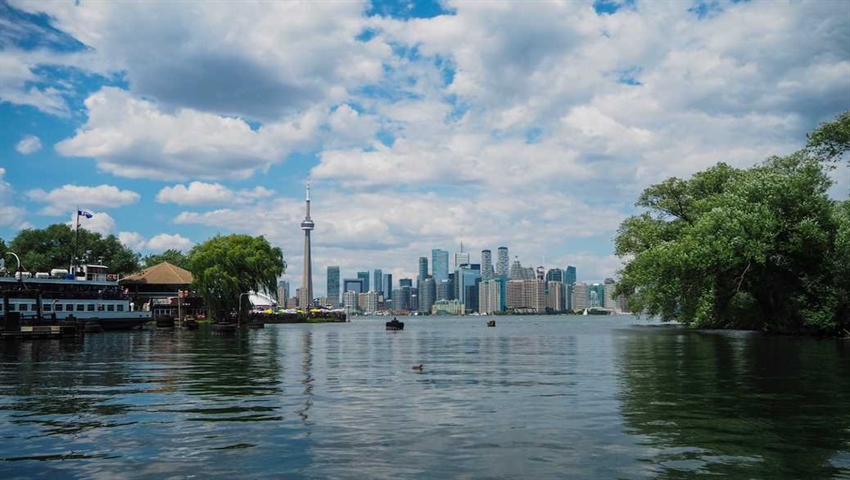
160	274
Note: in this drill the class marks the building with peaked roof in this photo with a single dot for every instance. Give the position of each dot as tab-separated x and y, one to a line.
158	288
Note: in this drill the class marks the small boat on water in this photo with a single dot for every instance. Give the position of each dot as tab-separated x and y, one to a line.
491	323
394	324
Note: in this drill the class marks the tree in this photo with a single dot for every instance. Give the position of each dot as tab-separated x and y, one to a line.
172	256
763	248
52	247
832	139
225	267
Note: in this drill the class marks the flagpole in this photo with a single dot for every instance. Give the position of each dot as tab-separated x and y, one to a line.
76	239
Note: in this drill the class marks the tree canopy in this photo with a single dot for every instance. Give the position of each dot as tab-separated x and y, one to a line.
172	256
832	139
763	248
44	249
224	267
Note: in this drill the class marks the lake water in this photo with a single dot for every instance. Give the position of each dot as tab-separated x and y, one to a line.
534	397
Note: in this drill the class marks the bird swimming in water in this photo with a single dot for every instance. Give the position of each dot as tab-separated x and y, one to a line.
419	367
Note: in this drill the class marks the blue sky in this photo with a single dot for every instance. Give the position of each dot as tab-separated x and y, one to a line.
530	125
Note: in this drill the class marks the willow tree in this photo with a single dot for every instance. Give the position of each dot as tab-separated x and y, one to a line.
225	267
763	248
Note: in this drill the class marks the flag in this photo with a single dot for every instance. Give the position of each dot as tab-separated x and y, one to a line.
84	213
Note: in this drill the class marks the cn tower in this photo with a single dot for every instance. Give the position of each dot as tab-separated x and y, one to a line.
306	300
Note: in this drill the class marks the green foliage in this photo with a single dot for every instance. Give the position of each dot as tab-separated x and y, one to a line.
172	256
224	267
832	139
52	247
762	248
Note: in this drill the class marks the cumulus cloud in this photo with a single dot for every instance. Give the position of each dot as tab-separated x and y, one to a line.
12	216
100	222
29	144
200	193
69	197
157	243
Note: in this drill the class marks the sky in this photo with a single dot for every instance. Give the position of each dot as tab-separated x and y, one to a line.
531	125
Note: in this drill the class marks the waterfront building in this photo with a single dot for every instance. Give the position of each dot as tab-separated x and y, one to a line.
368	302
282	292
608	295
379	281
518	272
444	290
596	294
353	285
405	282
502	261
580	296
365	277
414	300
349	299
306	297
427	295
388	286
526	295
492	295
333	286
447	307
470	296
556	296
440	265
466	275
298	294
555	275
486	265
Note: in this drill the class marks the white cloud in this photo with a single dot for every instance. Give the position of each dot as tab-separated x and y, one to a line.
157	243
100	222
12	216
200	193
164	241
70	197
29	144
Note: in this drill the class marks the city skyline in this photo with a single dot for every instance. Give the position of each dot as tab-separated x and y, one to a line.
422	124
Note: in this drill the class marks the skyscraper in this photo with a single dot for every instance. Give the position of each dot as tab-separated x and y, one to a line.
427	294
461	257
353	285
307	277
282	292
502	261
388	286
423	270
570	275
333	285
379	283
365	277
405	282
440	265
555	275
486	265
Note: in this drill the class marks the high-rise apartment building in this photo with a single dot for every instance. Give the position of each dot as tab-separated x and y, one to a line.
368	301
580	296
492	295
555	275
282	292
353	285
333	286
388	286
570	275
526	295
596	294
440	265
502	261
461	258
365	277
379	280
487	271
556	296
349	300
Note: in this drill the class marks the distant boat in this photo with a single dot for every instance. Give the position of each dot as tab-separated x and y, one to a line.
585	312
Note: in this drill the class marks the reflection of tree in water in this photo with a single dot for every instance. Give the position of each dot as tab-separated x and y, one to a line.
747	406
307	369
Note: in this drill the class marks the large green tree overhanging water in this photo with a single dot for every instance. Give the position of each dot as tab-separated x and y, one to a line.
763	248
224	267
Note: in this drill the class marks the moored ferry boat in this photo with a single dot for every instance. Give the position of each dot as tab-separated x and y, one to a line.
88	293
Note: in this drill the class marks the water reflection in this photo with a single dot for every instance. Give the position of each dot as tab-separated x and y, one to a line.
736	404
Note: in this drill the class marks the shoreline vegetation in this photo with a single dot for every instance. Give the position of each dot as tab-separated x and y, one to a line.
762	248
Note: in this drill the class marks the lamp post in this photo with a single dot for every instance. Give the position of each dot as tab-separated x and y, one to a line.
239	313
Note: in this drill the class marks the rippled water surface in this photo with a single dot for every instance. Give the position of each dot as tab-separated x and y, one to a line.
535	397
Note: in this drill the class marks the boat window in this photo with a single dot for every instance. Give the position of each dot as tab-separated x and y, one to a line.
81	307
69	307
90	307
120	308
47	307
23	307
58	307
1	307
100	307
110	308
11	307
